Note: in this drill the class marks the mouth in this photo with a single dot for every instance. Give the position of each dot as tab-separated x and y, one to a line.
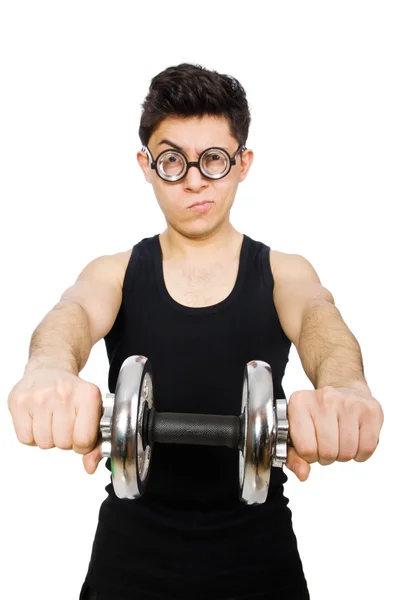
205	205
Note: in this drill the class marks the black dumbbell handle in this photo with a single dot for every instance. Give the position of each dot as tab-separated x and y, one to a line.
189	428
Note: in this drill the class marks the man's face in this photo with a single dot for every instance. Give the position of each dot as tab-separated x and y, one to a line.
193	135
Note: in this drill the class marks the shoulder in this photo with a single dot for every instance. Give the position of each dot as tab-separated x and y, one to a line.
291	267
123	257
107	267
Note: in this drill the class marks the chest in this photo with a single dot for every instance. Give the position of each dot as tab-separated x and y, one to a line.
197	286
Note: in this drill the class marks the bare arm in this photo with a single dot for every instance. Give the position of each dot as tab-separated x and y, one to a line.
85	314
329	352
51	406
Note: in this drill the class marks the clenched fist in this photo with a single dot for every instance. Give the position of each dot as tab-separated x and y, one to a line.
332	424
54	408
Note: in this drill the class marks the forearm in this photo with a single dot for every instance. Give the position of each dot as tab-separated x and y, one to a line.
62	339
330	354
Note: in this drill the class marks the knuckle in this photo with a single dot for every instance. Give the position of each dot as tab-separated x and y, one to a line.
307	450
11	401
328	455
328	397
63	443
17	402
344	457
296	399
354	408
14	393
41	400
93	393
374	409
62	435
83	441
64	390
369	448
364	455
24	436
45	443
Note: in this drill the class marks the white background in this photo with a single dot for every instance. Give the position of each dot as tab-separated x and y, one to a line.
321	83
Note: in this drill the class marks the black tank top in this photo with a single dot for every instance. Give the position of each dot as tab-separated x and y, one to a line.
189	536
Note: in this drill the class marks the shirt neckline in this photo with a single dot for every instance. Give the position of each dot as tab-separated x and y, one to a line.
158	259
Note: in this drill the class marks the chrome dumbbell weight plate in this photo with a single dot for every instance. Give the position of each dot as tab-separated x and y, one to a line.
122	427
265	432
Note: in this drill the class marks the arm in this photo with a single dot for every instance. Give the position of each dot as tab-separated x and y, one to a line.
329	352
85	314
339	420
51	406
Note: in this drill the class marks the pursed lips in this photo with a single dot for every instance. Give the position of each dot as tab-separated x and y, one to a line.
200	203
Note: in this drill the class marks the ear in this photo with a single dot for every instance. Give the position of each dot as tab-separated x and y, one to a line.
247	158
144	162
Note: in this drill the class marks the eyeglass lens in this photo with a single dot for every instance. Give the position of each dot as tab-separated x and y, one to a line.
213	163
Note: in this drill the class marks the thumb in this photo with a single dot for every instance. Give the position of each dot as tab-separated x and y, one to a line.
92	459
297	465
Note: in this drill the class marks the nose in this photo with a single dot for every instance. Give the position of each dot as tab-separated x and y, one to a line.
194	180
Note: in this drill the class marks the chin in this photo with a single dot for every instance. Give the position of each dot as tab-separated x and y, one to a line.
194	230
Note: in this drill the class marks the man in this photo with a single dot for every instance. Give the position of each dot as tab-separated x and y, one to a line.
199	300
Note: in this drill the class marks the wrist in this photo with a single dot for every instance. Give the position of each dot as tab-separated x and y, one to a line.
357	384
36	362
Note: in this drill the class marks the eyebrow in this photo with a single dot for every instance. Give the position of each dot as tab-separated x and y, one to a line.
168	143
173	145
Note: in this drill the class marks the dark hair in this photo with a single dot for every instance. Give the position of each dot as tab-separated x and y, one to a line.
189	90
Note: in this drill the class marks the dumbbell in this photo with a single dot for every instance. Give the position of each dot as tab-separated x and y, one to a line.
130	426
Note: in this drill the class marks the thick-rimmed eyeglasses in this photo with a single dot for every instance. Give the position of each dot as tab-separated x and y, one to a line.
213	163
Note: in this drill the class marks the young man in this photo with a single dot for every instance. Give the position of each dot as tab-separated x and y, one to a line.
199	300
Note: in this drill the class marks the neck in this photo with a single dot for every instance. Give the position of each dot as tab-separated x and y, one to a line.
199	248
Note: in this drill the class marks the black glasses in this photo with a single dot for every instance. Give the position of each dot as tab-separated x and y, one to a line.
213	163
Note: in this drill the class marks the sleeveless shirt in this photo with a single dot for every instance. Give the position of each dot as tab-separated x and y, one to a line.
189	536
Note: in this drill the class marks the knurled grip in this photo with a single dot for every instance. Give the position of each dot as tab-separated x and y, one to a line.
189	428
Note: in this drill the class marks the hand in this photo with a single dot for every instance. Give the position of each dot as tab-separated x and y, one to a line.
52	407
332	424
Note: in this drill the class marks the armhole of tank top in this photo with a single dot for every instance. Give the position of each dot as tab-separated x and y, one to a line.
114	332
130	271
269	282
266	268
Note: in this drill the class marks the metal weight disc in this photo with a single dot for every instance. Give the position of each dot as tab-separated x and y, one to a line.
257	407
130	460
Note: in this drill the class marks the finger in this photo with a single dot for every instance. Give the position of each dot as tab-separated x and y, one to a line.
327	434
301	427
370	425
93	458
349	435
86	425
62	426
23	425
368	442
297	465
42	427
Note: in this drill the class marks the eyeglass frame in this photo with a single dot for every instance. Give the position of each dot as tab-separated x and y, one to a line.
232	162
